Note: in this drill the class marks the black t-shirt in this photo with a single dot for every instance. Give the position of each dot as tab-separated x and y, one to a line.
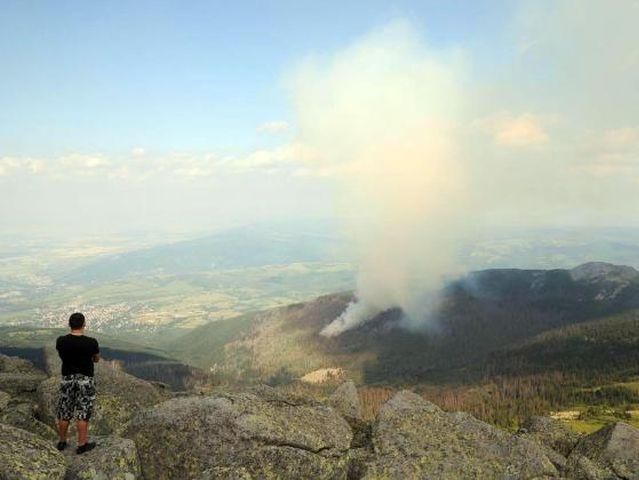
76	352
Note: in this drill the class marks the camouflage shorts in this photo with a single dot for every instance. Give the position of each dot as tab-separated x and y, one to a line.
77	395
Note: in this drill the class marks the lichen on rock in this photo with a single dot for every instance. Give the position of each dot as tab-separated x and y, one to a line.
18	377
4	400
614	449
346	401
113	458
26	456
549	432
267	435
413	438
23	415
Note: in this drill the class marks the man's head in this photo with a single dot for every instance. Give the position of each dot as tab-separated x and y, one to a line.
76	321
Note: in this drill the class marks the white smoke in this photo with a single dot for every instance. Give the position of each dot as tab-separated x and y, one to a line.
428	151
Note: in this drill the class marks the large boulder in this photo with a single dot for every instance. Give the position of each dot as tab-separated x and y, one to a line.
25	456
18	413
413	438
614	449
346	401
10	364
119	396
549	432
260	434
23	415
19	377
114	458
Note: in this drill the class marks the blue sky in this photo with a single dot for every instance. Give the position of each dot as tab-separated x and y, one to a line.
202	115
111	76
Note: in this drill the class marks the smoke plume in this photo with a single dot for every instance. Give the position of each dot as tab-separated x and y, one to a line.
430	147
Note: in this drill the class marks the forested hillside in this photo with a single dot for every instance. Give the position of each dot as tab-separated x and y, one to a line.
526	340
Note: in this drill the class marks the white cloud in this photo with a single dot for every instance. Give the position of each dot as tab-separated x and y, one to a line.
36	166
614	152
288	155
121	173
15	164
8	164
79	163
193	171
506	129
138	152
274	127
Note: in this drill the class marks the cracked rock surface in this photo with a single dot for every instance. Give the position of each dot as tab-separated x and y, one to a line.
265	433
413	438
114	458
613	449
26	456
262	435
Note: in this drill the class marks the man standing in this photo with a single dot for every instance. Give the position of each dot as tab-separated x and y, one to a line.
77	388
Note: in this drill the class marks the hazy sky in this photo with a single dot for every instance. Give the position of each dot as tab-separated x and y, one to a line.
154	114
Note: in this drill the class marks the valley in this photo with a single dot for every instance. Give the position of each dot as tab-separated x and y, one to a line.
506	342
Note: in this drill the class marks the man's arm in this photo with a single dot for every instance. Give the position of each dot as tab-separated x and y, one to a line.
96	355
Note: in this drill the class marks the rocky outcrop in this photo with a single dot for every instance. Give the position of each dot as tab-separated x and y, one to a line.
241	435
114	458
18	409
346	401
264	433
413	438
19	377
26	456
23	415
579	467
119	396
614	449
549	432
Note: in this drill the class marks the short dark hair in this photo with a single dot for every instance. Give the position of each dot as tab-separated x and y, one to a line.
76	321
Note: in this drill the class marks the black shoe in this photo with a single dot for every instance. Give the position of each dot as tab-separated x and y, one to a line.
61	445
85	448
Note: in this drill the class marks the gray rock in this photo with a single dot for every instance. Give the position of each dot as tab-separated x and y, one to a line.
23	415
266	435
346	401
52	362
114	458
551	433
21	384
413	438
4	400
579	467
614	448
19	377
25	456
556	458
119	396
225	473
17	365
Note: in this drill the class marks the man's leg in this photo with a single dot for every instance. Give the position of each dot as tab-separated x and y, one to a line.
63	426
83	445
84	409
64	412
82	426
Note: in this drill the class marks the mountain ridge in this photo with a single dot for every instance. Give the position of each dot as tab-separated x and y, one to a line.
484	311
